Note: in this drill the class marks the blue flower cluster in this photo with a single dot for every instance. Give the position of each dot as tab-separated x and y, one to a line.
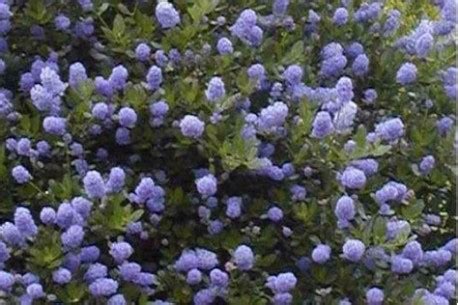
209	152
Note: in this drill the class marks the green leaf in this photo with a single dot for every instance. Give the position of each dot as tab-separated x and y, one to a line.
144	24
114	217
231	239
119	26
118	36
306	111
195	12
136	215
360	136
30	123
25	123
36	9
244	84
123	9
379	230
46	253
295	54
136	96
237	152
413	210
305	212
266	260
380	150
66	188
201	8
103	8
72	293
176	196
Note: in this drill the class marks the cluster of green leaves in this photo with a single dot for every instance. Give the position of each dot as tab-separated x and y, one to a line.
120	26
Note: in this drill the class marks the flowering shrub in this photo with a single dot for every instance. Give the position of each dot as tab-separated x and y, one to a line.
227	152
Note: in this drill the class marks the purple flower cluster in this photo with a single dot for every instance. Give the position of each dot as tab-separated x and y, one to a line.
182	152
353	250
224	46
321	254
333	60
390	130
245	28
244	257
207	185
272	118
46	97
20	174
215	89
191	126
167	15
407	74
281	285
345	211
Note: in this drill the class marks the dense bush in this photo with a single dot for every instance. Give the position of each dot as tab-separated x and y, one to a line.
227	152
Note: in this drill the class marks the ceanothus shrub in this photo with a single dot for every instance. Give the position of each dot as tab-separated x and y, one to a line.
228	152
